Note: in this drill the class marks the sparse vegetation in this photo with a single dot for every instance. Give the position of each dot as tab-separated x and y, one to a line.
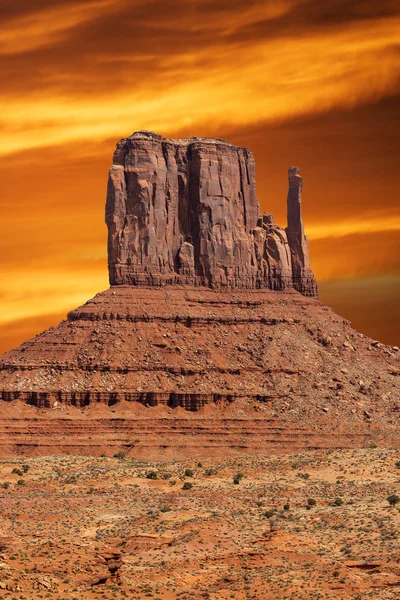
120	455
237	478
73	512
393	499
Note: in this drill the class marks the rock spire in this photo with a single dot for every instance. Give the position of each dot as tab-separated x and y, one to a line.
185	212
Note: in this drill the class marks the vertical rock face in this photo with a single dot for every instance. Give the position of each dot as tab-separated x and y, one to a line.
185	211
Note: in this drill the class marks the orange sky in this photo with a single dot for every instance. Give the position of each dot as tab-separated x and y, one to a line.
301	82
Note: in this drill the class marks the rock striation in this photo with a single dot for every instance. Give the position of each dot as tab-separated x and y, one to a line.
185	212
158	370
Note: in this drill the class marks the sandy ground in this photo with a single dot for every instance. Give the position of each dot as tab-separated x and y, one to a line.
115	528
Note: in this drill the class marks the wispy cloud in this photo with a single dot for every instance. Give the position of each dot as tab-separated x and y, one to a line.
239	82
361	225
47	26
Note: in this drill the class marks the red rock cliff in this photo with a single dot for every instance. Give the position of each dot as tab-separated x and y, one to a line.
185	211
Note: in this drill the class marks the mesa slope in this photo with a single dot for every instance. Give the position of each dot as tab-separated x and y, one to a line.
152	371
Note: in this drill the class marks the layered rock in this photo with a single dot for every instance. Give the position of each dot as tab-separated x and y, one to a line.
255	370
185	212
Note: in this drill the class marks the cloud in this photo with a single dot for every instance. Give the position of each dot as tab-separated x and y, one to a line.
15	332
29	31
370	303
377	224
125	69
344	11
356	255
32	292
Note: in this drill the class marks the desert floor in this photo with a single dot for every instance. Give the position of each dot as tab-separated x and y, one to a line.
303	526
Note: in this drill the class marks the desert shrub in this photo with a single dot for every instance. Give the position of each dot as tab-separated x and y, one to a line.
17	471
25	468
187	485
273	525
338	502
5	485
152	475
237	478
393	499
20	482
269	513
189	473
71	478
311	502
210	472
165	509
120	454
286	506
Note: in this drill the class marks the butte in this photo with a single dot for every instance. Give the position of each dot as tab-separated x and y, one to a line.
211	338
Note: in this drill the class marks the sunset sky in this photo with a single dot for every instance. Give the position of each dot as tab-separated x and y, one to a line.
309	83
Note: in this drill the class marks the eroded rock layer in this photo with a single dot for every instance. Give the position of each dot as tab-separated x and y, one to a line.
185	212
188	347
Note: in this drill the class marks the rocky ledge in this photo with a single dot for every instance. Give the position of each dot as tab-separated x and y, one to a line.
185	212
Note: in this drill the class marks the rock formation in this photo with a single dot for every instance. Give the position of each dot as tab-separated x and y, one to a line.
185	212
204	313
303	278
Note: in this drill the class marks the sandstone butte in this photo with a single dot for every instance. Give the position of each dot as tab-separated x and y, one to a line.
211	338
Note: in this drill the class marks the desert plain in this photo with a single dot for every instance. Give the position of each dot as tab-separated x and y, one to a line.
317	524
